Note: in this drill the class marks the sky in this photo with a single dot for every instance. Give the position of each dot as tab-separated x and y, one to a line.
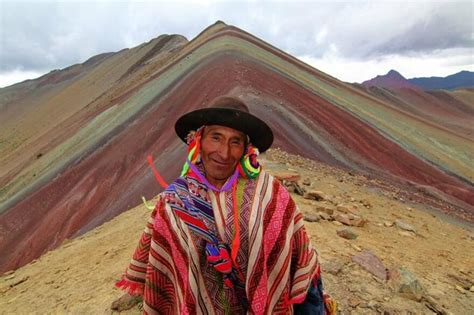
351	40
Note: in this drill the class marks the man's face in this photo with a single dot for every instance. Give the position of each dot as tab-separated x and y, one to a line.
221	149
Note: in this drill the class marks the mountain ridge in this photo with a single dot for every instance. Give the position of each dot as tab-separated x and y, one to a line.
393	79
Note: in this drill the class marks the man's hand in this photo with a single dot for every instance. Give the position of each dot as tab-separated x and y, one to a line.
125	302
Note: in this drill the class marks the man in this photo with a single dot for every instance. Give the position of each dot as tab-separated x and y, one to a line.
225	237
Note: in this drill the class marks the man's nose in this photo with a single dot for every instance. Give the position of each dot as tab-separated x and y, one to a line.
224	151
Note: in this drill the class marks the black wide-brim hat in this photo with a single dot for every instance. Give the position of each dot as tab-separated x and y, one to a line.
229	112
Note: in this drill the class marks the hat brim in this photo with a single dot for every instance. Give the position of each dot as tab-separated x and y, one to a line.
260	134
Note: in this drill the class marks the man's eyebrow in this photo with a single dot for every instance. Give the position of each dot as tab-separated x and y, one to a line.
215	132
237	138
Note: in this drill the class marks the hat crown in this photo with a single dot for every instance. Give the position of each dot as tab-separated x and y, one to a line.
229	102
230	112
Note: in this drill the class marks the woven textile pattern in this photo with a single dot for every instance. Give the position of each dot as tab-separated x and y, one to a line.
275	255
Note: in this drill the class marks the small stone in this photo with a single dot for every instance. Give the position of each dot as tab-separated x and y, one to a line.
337	223
311	218
307	181
465	283
354	302
359	222
407	285
296	188
372	304
357	248
433	305
460	289
326	210
4	290
366	203
333	267
347	234
406	233
287	176
314	195
472	289
10	277
371	263
344	219
347	209
388	223
126	302
19	281
324	216
404	226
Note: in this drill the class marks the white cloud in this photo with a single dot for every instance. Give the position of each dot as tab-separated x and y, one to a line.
55	34
439	63
15	76
321	35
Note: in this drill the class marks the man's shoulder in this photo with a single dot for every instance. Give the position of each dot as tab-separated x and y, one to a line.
269	178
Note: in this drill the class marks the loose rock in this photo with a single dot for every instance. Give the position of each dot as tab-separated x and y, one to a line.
347	234
354	301
333	267
347	209
342	218
329	211
371	263
460	289
311	218
406	233
125	302
404	226
295	187
407	285
366	203
19	281
433	305
314	195
287	176
359	222
324	216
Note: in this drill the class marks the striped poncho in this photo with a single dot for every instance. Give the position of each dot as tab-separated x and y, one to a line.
275	257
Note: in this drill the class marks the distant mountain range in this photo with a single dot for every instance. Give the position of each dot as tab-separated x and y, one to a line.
393	79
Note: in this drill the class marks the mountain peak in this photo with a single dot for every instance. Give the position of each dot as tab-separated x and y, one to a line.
393	79
394	73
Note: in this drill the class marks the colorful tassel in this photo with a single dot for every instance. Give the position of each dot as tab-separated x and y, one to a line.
147	205
130	287
249	166
158	177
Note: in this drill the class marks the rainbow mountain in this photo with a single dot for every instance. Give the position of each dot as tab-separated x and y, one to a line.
74	142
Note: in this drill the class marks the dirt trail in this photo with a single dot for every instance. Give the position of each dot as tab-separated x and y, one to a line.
78	277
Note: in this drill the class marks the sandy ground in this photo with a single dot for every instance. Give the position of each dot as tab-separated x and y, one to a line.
79	276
